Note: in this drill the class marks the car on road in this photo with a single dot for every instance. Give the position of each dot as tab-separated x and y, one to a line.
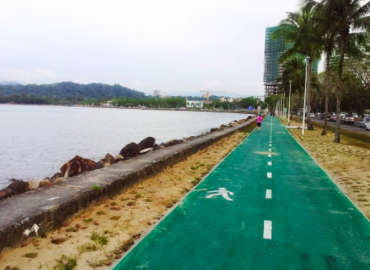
367	126
323	116
312	115
333	118
347	119
364	121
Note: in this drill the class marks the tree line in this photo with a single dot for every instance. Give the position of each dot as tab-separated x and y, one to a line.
340	30
65	91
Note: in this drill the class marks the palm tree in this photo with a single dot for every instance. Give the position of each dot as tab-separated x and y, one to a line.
294	71
344	15
299	29
328	33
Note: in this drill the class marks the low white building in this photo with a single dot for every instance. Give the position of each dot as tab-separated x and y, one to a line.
194	104
156	93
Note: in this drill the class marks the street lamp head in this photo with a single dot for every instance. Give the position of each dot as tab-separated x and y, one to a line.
307	57
290	81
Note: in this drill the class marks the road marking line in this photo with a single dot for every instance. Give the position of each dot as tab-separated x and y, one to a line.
269	175
267	229
270	145
269	155
269	150
268	193
269	163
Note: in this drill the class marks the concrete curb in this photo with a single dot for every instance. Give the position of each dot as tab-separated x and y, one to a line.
30	214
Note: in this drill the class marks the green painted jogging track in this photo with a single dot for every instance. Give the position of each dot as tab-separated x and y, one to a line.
306	224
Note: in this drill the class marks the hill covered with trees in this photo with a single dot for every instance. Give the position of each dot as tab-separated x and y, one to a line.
65	91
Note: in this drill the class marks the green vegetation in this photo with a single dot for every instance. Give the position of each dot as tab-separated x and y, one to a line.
64	93
31	255
171	102
88	247
88	220
65	263
99	239
96	188
340	29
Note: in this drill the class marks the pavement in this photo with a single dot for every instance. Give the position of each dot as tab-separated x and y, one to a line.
267	205
355	127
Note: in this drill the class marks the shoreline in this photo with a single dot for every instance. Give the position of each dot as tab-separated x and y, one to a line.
244	111
196	172
50	165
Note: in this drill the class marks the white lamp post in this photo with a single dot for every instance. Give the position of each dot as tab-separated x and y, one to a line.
304	99
290	90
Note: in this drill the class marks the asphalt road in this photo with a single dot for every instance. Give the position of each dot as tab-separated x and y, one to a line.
356	127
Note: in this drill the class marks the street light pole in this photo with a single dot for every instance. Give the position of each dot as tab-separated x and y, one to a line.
290	90
304	99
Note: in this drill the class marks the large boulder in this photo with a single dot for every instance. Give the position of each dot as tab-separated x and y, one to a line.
98	165
108	159
146	143
156	147
46	183
19	187
147	150
76	166
130	150
119	158
33	184
5	193
56	176
172	142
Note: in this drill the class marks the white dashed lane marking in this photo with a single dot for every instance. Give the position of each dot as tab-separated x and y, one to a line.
268	193
269	155
269	175
269	163
267	229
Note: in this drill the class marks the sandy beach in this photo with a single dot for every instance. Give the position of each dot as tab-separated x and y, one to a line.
347	163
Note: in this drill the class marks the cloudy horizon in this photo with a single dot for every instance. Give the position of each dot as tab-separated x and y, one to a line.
176	47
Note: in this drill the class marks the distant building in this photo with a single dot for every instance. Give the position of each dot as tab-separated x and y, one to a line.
273	68
156	93
238	99
222	99
194	104
230	99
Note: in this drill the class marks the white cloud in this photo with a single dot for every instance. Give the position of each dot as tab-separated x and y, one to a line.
38	76
171	45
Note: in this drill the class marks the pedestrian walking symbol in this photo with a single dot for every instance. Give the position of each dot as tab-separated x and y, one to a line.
220	192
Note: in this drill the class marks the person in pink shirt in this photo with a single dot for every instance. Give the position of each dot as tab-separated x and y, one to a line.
259	122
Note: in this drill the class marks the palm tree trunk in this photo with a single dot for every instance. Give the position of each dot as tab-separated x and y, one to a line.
327	91
308	96
339	90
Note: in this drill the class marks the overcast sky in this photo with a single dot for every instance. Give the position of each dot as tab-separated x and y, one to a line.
178	47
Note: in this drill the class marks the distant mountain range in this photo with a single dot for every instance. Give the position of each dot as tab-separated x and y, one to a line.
69	90
9	83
